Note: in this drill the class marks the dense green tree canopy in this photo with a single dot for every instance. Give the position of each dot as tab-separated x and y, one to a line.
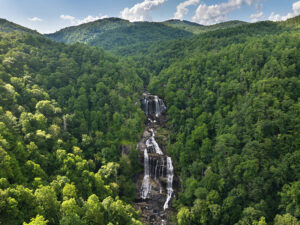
233	110
65	114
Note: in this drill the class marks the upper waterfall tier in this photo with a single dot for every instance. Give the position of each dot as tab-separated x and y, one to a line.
152	105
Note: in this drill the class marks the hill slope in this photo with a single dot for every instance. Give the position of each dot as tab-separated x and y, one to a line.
65	114
111	33
115	33
233	109
85	32
197	28
294	22
7	26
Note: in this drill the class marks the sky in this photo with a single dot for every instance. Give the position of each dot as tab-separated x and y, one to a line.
47	16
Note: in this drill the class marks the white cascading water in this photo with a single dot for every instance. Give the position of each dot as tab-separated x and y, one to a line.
65	123
157	108
151	142
153	106
170	175
146	185
161	166
146	104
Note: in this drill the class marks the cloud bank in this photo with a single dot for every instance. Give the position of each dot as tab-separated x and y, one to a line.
182	9
73	21
278	17
141	11
35	19
211	14
257	16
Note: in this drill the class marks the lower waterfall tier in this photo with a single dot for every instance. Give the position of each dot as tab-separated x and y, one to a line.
146	185
157	167
170	176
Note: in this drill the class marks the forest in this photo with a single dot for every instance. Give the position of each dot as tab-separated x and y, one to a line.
66	111
70	120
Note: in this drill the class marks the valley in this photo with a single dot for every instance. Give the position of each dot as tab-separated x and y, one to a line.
216	142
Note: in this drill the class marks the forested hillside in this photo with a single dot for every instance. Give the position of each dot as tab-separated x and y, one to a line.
233	110
87	31
7	26
197	28
114	33
66	114
111	33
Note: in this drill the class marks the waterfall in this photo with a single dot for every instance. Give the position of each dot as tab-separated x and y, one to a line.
157	108
152	144
152	106
157	183
146	106
146	185
65	122
170	175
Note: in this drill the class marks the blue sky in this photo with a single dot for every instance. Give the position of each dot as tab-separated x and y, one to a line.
51	15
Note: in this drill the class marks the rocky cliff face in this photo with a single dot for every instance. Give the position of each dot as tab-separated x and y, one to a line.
155	185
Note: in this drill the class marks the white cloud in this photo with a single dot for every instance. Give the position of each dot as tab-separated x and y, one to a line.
274	17
71	19
75	21
217	13
88	19
278	17
35	19
182	8
257	16
104	17
296	8
141	11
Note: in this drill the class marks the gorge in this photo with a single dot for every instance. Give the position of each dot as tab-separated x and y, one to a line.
80	143
155	185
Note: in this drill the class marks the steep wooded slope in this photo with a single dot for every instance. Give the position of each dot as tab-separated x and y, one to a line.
111	33
233	109
66	114
7	26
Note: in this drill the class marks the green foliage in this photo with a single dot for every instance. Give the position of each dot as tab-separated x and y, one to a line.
114	33
295	21
111	33
233	110
286	219
38	220
290	199
94	211
197	28
69	191
6	26
183	216
65	113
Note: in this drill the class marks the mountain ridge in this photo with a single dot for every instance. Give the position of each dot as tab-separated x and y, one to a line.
115	32
8	26
112	33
